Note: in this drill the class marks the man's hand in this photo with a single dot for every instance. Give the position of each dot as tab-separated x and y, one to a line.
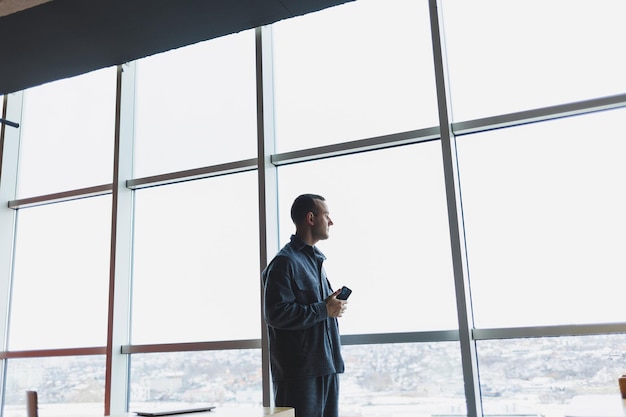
334	306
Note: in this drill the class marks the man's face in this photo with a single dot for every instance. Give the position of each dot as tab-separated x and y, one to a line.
322	221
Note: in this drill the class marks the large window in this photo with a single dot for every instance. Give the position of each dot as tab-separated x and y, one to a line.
390	236
544	222
352	72
196	106
510	56
139	204
67	133
196	275
402	379
230	378
61	275
66	386
542	375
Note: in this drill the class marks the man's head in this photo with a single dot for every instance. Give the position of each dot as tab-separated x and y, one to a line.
310	214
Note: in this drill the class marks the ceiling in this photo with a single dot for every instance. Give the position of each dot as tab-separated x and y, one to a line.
11	6
46	40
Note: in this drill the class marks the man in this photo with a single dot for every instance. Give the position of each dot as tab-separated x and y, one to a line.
301	313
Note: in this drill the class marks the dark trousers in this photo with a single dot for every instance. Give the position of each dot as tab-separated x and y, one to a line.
311	397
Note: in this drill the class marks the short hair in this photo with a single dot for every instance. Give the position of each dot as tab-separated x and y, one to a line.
302	205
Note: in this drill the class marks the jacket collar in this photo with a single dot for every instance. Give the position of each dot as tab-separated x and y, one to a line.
300	246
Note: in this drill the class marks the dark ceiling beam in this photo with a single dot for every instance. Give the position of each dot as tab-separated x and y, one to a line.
64	38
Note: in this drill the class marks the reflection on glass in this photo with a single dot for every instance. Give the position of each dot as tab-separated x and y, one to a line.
542	376
545	225
390	238
196	270
505	57
404	379
67	134
66	386
61	275
185	379
354	71
196	106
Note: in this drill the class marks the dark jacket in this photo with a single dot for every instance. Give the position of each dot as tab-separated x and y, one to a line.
304	341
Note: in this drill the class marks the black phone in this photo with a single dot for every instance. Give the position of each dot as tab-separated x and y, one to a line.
344	294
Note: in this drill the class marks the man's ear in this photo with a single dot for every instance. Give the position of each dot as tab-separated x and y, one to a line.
310	217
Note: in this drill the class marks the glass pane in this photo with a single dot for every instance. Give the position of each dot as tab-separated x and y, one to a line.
196	265
67	134
61	275
354	71
517	55
549	376
386	239
70	386
544	218
188	379
196	106
407	379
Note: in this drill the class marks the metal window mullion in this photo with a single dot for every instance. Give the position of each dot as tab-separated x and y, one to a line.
457	239
60	197
193	174
117	369
9	156
267	180
362	145
576	108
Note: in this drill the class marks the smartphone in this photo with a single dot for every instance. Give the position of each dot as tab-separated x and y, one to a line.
344	294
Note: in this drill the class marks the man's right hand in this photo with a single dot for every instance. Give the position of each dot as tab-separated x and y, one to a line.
335	307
